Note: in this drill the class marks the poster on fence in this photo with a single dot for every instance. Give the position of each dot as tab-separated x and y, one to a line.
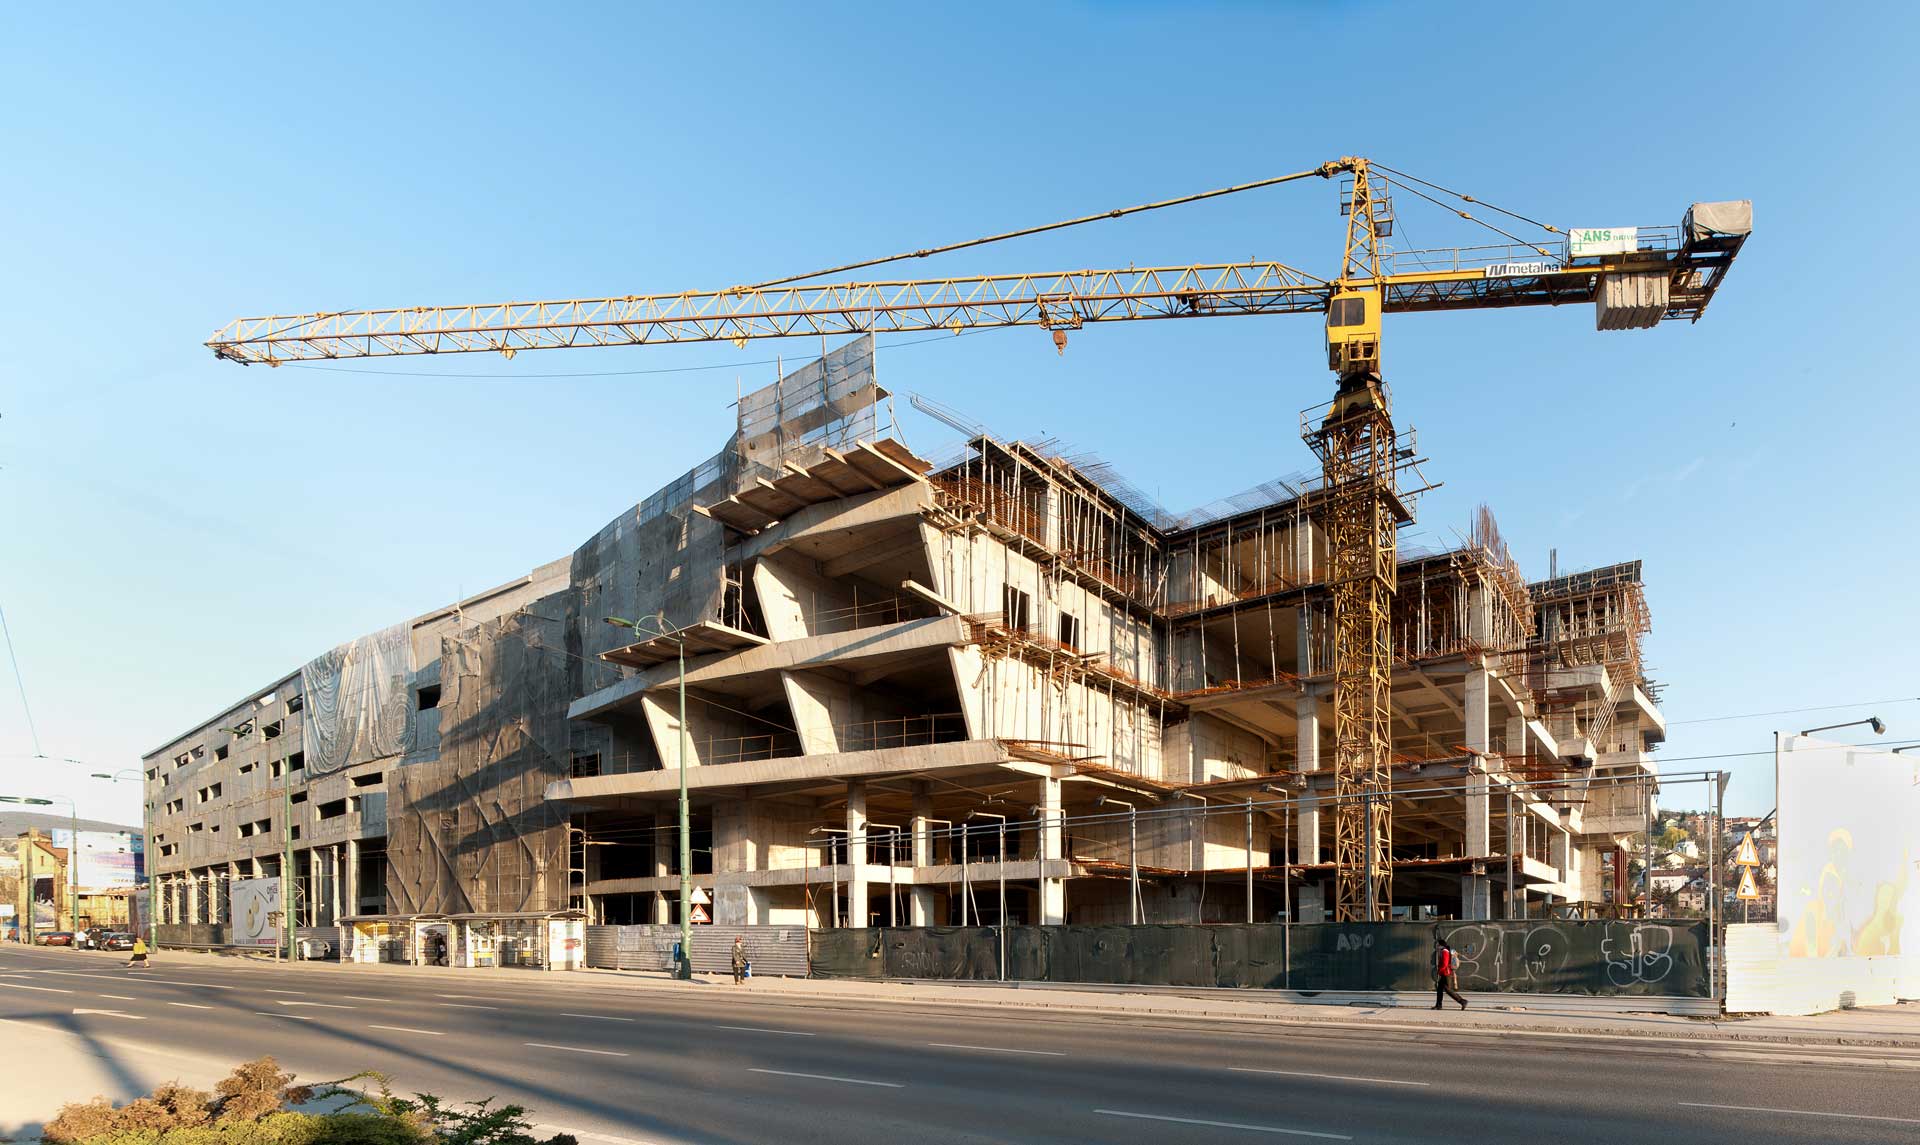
1849	848
256	912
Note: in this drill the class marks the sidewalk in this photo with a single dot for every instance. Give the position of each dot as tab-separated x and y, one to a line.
1886	1026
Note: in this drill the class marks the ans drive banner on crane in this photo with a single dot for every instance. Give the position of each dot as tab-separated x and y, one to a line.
256	912
1584	241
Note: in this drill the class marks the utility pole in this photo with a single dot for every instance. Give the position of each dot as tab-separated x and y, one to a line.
678	637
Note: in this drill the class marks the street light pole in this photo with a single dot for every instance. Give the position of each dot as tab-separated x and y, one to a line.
677	635
146	844
286	836
1133	854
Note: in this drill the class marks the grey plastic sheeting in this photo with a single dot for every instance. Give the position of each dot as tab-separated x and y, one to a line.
1541	957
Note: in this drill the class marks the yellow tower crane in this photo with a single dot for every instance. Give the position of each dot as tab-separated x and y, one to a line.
1635	277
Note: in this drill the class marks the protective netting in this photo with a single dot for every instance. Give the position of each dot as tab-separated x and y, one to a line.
356	700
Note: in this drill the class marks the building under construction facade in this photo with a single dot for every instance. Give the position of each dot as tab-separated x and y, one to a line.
917	689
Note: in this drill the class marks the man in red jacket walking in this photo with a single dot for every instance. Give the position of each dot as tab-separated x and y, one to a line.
1446	964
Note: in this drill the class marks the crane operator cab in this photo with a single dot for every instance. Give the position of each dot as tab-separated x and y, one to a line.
1353	351
1353	332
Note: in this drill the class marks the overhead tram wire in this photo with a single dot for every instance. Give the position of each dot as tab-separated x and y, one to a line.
21	682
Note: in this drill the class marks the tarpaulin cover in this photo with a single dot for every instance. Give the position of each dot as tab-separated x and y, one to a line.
356	700
1732	217
1542	957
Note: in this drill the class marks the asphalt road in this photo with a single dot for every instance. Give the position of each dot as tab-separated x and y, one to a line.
660	1067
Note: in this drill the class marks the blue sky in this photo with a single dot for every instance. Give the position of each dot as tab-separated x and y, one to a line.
178	531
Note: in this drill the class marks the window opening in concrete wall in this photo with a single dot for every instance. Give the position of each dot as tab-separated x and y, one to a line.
585	764
296	761
246	830
199	751
168	850
196	828
295	832
297	797
153	772
220	752
369	779
272	730
1069	630
295	703
210	792
247	768
428	697
174	805
1018	608
333	809
277	768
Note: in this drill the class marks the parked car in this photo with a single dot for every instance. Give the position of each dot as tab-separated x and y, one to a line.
55	938
117	940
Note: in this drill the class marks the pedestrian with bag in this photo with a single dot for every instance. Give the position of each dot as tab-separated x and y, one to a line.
739	960
1446	967
139	959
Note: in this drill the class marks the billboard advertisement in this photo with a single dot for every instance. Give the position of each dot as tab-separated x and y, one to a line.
46	911
106	859
255	905
1849	862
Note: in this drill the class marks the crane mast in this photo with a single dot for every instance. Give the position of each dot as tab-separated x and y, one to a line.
1654	274
1355	444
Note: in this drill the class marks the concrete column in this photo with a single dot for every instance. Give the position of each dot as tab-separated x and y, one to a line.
1053	891
920	899
1476	897
663	846
313	886
350	878
857	853
1478	730
194	894
1306	815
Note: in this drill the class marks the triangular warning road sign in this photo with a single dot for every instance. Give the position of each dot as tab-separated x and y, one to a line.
700	913
701	897
1748	888
1748	855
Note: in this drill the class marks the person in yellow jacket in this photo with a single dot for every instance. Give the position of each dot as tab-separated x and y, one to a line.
139	958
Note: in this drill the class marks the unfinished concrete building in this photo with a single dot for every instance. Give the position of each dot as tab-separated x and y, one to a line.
914	687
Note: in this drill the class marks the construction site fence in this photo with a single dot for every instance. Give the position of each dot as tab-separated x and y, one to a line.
312	941
774	951
1656	958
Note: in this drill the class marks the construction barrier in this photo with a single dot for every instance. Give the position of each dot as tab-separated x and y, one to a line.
1650	958
774	951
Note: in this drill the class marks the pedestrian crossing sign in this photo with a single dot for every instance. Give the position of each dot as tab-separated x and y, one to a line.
700	914
1748	855
1749	889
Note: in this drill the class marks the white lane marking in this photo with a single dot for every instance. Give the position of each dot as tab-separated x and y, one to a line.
364	998
1323	1076
1801	1112
762	1030
121	997
588	1135
278	1014
41	989
464	1006
322	1005
829	1077
189	1006
113	1013
208	985
1226	1124
575	1049
408	1030
997	1049
471	997
607	1018
300	992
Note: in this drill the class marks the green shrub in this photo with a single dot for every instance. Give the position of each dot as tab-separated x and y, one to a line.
249	1107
